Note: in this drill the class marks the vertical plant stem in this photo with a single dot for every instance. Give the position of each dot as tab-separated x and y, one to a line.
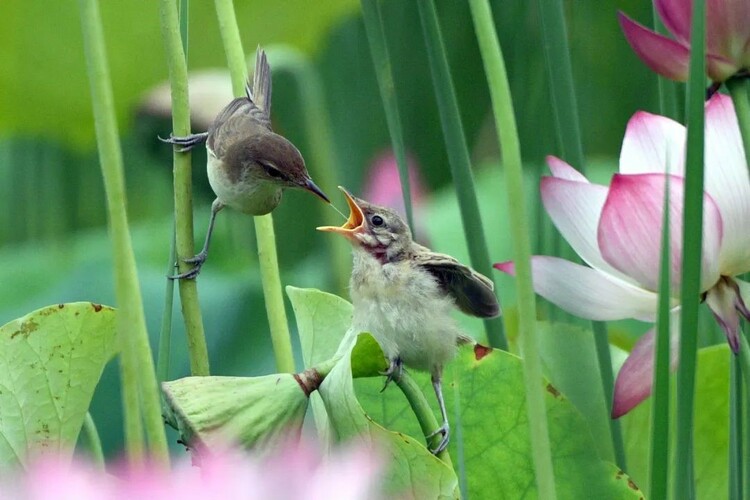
325	165
666	87
93	441
458	156
735	430
659	465
382	62
691	256
264	231
565	112
183	190
502	106
165	334
137	362
739	88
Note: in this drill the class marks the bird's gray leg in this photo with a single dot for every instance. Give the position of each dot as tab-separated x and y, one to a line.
187	142
394	371
198	259
444	429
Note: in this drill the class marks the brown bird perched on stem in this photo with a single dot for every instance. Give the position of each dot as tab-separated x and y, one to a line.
403	294
249	165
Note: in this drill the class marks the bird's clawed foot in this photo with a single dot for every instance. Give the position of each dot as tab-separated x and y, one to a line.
443	430
188	142
394	371
197	262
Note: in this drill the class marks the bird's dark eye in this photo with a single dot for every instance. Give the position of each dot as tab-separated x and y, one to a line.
272	171
377	220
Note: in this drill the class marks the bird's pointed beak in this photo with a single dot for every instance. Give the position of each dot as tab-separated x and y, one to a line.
314	189
355	222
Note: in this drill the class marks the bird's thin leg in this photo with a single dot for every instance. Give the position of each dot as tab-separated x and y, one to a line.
187	142
198	259
444	429
394	371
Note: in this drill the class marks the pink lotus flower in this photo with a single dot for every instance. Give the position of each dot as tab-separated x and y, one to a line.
727	38
298	472
616	230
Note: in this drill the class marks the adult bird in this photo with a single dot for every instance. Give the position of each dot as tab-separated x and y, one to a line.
249	165
403	294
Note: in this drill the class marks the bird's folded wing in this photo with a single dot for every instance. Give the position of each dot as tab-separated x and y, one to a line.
473	292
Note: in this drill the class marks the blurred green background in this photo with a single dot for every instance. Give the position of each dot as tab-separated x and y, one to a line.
53	239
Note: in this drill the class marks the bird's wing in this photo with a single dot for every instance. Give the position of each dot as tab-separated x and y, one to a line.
473	292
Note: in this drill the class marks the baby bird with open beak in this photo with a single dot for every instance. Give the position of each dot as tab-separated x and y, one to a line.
403	294
249	165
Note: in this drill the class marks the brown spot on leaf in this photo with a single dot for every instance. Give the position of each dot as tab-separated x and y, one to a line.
97	307
553	390
619	474
26	328
481	351
60	306
632	485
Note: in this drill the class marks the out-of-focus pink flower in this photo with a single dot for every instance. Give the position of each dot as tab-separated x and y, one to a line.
617	230
727	38
297	472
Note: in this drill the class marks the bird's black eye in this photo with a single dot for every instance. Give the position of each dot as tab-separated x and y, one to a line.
377	220
272	171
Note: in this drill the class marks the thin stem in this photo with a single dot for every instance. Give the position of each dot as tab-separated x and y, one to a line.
567	127
426	418
744	356
735	430
183	189
666	87
502	106
739	88
264	231
382	62
691	261
137	361
165	333
458	157
93	441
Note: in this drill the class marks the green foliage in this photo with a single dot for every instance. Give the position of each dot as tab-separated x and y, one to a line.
50	363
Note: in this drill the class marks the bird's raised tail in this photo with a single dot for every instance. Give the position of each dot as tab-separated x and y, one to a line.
260	94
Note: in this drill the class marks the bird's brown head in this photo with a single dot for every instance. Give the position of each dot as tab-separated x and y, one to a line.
280	163
378	230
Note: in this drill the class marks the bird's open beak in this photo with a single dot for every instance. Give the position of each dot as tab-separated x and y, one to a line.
313	188
354	224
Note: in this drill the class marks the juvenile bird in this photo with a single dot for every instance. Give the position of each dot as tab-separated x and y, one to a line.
249	165
403	294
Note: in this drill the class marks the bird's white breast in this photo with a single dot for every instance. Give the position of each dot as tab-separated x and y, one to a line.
248	195
403	307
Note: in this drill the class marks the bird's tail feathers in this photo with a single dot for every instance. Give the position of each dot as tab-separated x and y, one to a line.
260	93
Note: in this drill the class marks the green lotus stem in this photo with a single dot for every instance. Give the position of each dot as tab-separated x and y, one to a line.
505	124
567	127
138	366
264	231
739	88
165	332
744	356
458	157
93	441
426	418
323	161
382	62
736	458
183	190
684	482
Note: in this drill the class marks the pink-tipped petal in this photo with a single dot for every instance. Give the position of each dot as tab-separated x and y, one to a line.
653	144
635	380
722	300
661	54
586	292
675	14
728	183
630	229
562	170
728	28
575	208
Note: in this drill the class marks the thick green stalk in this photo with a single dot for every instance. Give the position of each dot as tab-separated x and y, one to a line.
458	157
183	190
659	465
93	441
324	165
739	88
744	356
502	106
567	126
264	231
691	256
735	430
423	412
131	322
382	62
165	332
